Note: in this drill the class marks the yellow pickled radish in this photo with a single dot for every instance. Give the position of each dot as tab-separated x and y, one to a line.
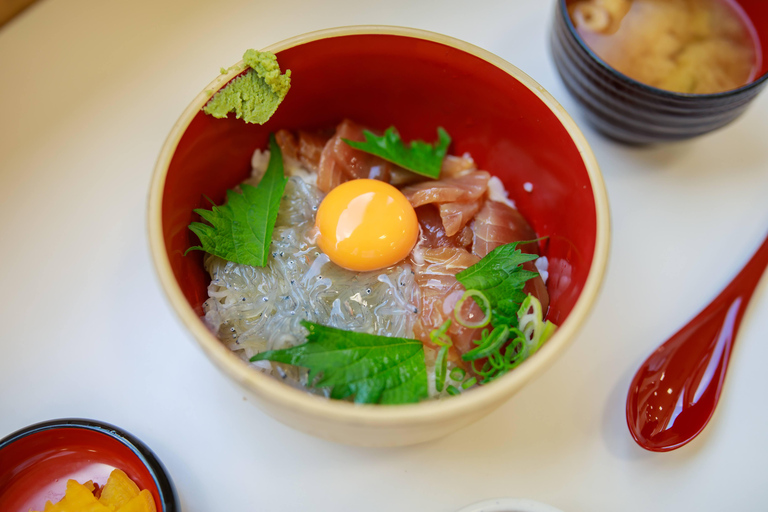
78	499
119	494
118	490
144	502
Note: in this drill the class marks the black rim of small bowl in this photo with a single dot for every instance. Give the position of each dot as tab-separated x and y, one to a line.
167	491
563	11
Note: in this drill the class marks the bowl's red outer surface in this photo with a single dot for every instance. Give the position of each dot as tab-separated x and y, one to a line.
35	467
416	85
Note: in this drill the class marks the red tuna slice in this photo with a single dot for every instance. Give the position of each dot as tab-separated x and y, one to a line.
310	149
436	277
329	174
289	147
339	162
498	224
433	232
454	166
306	149
456	215
465	188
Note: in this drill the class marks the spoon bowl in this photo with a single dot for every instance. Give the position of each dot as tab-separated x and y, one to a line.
675	391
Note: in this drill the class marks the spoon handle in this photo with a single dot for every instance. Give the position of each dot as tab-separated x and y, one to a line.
675	391
744	284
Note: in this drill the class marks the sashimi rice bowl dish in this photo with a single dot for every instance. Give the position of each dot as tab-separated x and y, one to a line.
381	238
404	294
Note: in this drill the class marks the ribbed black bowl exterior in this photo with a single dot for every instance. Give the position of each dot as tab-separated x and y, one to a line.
632	112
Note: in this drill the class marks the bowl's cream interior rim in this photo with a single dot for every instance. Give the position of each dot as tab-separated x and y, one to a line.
274	391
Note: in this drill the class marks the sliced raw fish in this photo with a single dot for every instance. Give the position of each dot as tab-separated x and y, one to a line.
440	291
498	224
465	188
339	162
454	166
400	177
433	232
329	174
456	215
310	149
289	147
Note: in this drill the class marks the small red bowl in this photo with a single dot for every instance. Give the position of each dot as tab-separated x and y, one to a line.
37	461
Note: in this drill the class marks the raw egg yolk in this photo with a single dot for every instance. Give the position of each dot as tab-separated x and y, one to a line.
366	225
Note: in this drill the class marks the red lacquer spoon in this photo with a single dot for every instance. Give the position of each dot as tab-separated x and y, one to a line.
675	391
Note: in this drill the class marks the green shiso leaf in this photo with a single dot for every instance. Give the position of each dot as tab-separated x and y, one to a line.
255	95
501	278
241	229
420	157
372	369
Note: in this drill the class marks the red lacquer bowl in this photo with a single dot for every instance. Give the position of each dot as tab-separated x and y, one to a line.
37	461
416	81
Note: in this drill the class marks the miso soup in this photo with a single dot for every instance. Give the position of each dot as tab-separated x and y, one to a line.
690	46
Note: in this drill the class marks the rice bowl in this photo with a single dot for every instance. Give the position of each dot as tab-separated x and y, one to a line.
429	76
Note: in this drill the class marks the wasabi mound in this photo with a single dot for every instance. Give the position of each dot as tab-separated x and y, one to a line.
255	95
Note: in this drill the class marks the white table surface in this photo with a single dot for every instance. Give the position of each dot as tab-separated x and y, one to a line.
88	91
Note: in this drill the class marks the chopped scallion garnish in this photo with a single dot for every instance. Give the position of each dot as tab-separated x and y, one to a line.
482	301
535	330
441	367
439	336
489	343
458	374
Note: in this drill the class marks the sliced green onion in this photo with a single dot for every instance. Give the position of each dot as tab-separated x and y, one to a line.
515	349
489	344
453	390
531	323
497	362
441	367
529	319
549	330
469	383
486	371
458	374
503	350
493	377
439	336
480	372
485	306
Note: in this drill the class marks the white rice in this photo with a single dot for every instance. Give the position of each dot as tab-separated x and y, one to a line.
542	265
497	192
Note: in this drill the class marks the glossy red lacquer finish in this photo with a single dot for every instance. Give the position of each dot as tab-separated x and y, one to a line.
757	13
675	391
36	467
415	85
